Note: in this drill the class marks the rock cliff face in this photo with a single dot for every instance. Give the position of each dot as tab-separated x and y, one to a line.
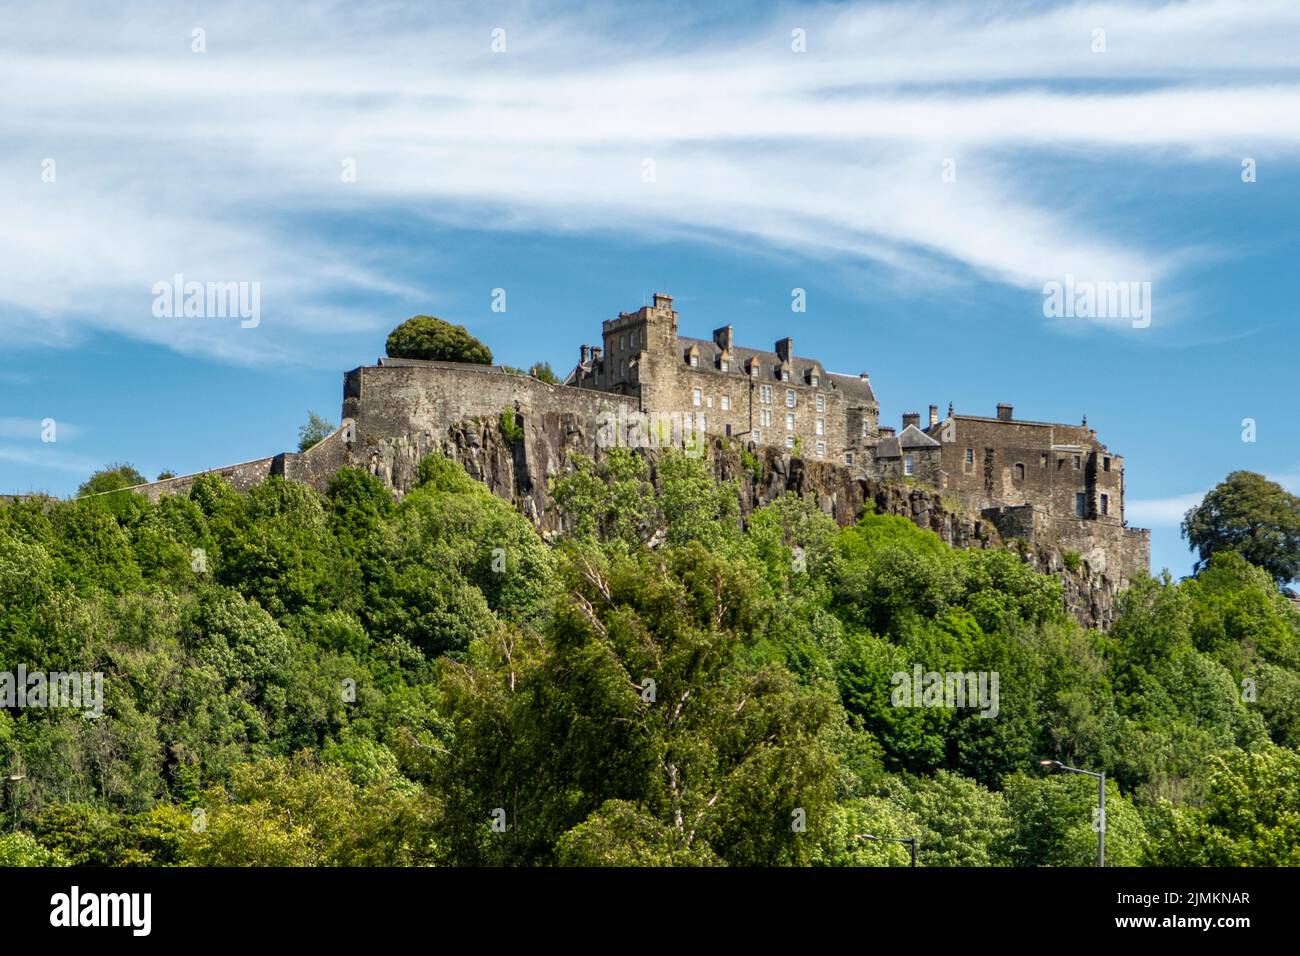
517	466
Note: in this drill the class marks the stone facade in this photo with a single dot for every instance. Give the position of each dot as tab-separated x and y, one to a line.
771	398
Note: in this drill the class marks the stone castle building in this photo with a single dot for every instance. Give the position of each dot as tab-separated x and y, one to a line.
774	422
780	399
769	398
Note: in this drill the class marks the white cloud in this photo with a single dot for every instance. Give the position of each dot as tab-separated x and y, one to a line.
1160	512
208	164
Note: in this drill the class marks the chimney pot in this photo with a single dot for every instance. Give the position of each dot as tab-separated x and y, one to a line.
912	418
934	414
1004	412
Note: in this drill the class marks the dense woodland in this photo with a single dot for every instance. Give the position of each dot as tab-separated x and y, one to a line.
293	678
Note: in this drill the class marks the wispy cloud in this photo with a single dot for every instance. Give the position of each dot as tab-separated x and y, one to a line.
207	164
1168	512
48	457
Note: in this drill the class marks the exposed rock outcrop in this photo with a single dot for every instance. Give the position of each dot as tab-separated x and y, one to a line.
517	467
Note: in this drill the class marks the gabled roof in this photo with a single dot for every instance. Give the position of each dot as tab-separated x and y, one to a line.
913	437
740	357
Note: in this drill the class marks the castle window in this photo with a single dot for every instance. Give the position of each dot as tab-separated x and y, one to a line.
1105	504
1042	460
909	465
622	343
1078	462
789	422
848	458
789	398
821	449
821	403
765	416
753	370
789	441
696	397
864	428
1020	472
695	360
703	422
785	375
622	369
970	456
724	365
708	402
1105	464
726	403
1080	504
758	436
815	380
765	394
821	426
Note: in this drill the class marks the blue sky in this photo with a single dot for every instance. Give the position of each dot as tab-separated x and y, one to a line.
527	170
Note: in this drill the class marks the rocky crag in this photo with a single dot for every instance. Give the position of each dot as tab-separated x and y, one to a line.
517	467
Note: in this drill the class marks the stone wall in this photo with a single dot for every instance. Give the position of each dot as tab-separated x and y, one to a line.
312	467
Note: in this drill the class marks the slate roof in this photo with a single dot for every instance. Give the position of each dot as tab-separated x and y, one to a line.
909	438
851	385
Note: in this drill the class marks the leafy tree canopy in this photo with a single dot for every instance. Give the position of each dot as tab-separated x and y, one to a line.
111	478
429	337
1255	517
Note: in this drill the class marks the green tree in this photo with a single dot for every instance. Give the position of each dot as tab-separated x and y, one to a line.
1252	516
543	373
429	337
111	478
314	431
1250	818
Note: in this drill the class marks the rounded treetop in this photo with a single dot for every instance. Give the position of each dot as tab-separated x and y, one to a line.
429	337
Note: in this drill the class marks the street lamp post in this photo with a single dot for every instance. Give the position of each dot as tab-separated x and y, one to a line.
12	780
1101	802
910	841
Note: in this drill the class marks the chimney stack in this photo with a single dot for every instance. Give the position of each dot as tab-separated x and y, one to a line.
785	349
912	418
596	351
586	354
886	431
934	414
722	338
1004	412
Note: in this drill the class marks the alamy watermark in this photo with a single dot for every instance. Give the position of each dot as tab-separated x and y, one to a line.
77	690
921	688
633	429
1087	299
179	299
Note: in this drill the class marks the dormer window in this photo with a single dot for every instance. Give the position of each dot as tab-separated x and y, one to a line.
724	365
814	380
753	370
695	360
785	374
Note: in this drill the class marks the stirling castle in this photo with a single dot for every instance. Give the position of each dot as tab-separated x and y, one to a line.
772	420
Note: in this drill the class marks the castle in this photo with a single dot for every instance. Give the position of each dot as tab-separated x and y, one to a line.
772	421
783	400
